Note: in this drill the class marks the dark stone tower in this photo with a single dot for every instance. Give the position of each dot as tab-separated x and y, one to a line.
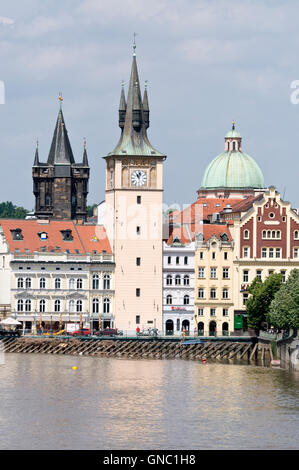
60	186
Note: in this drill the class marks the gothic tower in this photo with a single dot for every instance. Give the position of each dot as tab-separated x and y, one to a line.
60	186
134	189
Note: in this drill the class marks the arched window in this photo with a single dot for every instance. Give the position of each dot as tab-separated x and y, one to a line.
57	306
246	234
95	281
186	260
177	280
72	283
20	305
72	306
57	283
186	299
106	304
42	283
296	234
42	306
273	233
106	282
20	283
169	299
79	306
264	233
79	283
278	234
95	306
269	234
47	200
186	280
28	283
28	305
169	280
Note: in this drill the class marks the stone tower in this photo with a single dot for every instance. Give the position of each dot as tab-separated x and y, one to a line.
134	190
60	186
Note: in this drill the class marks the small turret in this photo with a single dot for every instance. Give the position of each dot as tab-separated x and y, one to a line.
122	108
145	107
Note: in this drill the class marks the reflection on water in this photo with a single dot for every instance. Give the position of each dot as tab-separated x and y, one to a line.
145	404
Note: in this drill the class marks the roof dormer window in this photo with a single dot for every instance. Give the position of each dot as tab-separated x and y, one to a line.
43	235
66	235
17	234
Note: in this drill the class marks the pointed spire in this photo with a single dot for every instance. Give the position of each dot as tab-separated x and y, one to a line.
134	140
85	159
60	151
36	158
122	107
145	106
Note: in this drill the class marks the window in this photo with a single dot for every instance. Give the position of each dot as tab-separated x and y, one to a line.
225	312
278	252
213	312
201	273
201	255
200	312
106	281
95	282
138	199
138	230
271	252
264	252
138	261
186	300
137	292
259	274
169	280
28	283
95	305
177	260
225	255
283	273
213	255
245	252
72	283
213	293
213	273
177	280
106	305
178	324
186	260
28	305
137	319
225	273
225	293
201	293
20	305
246	276
57	306
79	283
246	234
296	234
57	283
66	235
20	283
42	283
79	306
296	252
245	298
169	260
186	280
72	306
42	306
169	299
16	234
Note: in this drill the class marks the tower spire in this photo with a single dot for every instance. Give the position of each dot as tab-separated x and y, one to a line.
122	107
60	151
36	157
85	159
145	106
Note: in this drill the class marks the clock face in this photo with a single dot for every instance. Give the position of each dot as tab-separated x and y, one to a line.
138	178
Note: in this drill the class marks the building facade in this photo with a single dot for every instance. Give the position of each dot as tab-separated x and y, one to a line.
57	275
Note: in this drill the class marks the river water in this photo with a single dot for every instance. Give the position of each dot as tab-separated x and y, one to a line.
112	403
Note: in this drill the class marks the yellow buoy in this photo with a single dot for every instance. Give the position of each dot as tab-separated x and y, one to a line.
74	367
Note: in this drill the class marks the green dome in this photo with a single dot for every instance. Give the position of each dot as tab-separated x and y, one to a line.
234	170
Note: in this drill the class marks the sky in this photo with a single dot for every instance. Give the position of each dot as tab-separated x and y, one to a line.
207	62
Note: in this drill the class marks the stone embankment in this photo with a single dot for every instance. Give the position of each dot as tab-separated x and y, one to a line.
133	348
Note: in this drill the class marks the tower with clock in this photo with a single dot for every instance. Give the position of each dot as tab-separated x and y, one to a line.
134	193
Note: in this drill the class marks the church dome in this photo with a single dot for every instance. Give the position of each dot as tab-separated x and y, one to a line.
233	168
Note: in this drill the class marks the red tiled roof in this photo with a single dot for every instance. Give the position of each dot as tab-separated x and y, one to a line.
202	209
186	233
81	242
245	205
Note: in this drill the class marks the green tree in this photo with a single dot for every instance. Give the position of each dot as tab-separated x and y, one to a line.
284	309
262	294
9	211
90	210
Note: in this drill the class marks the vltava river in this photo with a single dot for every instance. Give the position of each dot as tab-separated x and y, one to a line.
145	404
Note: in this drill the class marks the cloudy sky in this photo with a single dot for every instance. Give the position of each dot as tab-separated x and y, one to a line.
207	63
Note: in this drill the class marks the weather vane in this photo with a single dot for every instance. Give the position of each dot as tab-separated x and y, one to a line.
134	44
60	99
